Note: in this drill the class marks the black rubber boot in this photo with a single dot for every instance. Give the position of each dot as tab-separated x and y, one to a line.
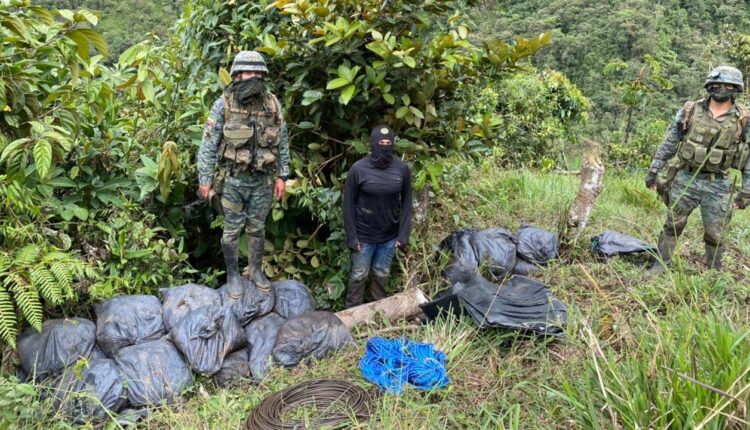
355	292
714	255
231	257
666	247
255	263
377	286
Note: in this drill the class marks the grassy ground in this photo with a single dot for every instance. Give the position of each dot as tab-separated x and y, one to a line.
639	352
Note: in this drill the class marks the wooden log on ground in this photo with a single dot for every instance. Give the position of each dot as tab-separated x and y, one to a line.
592	174
394	308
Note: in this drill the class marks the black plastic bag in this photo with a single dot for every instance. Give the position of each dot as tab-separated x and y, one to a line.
293	298
180	301
495	247
235	368
127	320
261	338
61	343
536	246
525	268
92	397
253	303
206	335
520	303
313	334
611	243
463	265
154	372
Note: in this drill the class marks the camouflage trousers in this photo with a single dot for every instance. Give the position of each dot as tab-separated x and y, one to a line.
246	201
713	195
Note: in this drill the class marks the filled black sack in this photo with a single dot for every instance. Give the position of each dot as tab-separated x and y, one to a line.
525	268
261	338
92	396
206	335
313	334
178	302
234	368
61	343
293	298
611	243
496	248
252	304
520	303
127	320
463	265
536	246
153	373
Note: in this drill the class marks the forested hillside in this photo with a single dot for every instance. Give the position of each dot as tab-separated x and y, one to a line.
686	38
125	23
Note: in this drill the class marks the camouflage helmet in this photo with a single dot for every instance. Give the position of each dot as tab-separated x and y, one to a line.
725	75
248	61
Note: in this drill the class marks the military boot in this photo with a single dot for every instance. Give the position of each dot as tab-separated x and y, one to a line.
714	255
355	292
666	247
255	263
231	257
377	286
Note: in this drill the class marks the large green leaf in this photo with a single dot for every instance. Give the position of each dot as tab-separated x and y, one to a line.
43	157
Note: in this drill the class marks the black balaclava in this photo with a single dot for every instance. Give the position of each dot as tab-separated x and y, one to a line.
382	155
722	94
250	92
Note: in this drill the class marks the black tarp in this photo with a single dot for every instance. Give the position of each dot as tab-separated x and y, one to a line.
611	243
536	245
254	303
261	338
519	303
293	298
495	248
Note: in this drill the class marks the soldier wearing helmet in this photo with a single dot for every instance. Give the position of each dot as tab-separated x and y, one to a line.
245	136
707	138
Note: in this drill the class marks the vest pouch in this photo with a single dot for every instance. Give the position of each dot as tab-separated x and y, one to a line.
740	159
243	157
713	160
699	156
687	150
264	158
271	137
237	135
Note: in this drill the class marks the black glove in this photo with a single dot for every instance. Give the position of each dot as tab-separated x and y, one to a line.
651	179
742	200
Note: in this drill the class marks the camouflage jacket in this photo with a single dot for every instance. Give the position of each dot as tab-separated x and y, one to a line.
668	148
212	134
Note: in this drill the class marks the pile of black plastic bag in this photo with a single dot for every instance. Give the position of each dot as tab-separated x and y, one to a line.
141	351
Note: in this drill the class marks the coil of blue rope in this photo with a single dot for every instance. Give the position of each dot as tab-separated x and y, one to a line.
392	363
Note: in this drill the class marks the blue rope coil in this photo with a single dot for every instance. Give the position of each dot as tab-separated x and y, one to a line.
392	363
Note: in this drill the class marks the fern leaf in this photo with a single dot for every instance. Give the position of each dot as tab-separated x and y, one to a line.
8	323
45	282
27	256
4	264
27	299
64	276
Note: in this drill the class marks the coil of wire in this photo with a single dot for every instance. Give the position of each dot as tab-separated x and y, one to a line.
333	403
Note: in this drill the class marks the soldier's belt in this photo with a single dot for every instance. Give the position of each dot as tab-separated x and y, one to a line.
705	175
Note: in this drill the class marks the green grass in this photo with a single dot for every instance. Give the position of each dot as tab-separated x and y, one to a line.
639	352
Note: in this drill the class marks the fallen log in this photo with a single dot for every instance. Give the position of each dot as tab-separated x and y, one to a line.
394	308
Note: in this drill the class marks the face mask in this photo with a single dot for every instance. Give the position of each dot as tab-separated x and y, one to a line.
248	90
722	94
382	155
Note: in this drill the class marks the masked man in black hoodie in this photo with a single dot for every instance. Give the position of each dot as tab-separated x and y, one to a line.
377	215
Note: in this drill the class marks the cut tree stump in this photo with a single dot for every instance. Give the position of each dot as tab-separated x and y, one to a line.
394	308
592	174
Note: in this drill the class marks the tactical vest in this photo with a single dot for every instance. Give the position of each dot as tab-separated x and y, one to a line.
710	145
250	140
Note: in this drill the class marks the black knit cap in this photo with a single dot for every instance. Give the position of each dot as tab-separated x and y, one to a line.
381	132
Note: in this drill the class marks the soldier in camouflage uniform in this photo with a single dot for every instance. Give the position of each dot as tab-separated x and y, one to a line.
708	136
245	136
